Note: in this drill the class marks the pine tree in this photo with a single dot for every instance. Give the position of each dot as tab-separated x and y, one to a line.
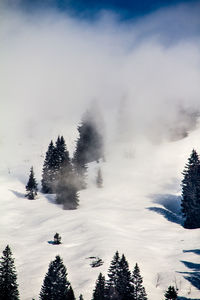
123	284
81	297
89	146
55	285
70	295
138	289
99	179
191	192
111	283
66	185
171	293
48	175
31	186
8	277
57	239
66	189
99	291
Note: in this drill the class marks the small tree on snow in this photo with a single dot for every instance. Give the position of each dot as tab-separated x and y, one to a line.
57	239
99	179
31	186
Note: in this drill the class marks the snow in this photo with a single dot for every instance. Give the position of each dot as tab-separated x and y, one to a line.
136	212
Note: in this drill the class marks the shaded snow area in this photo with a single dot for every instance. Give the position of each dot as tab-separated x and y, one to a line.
136	212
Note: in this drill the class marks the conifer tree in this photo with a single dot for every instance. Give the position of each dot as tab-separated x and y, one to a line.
99	179
66	189
70	295
89	146
8	277
81	297
48	170
191	192
123	284
57	239
99	291
55	285
113	275
137	288
171	293
31	186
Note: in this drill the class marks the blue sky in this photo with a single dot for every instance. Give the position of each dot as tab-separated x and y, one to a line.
126	9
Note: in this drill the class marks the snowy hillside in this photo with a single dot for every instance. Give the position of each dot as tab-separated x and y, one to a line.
136	212
141	77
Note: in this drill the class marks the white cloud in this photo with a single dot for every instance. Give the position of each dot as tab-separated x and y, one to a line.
53	67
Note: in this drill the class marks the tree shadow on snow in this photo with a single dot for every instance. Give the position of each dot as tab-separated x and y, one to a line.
195	251
194	276
184	298
18	194
171	207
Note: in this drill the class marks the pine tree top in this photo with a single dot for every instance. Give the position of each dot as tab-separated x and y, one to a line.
171	293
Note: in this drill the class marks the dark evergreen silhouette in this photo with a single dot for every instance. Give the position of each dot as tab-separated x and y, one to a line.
66	189
81	297
137	288
89	146
8	277
123	282
171	293
70	295
100	291
59	176
31	187
66	185
57	239
99	179
191	192
111	283
55	285
48	174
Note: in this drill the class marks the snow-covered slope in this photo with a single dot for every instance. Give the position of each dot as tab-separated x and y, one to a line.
136	212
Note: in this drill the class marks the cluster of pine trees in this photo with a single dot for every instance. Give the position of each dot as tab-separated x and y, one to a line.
121	284
191	192
65	176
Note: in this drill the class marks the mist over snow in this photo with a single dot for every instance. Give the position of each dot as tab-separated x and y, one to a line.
143	77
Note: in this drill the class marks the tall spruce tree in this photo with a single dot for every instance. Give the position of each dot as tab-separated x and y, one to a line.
123	284
66	188
8	277
55	285
113	277
137	288
171	293
48	174
100	291
31	187
191	192
89	146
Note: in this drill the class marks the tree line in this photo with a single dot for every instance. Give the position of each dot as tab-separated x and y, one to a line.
66	176
120	285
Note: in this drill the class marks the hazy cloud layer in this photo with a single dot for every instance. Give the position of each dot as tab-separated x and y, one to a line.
144	75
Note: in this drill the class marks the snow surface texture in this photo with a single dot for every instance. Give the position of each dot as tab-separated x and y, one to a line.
136	212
